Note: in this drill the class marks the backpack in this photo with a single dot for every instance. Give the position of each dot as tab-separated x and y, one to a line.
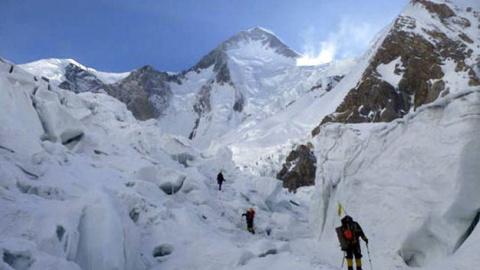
250	214
348	234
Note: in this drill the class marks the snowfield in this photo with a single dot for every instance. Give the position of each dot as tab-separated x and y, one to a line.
84	185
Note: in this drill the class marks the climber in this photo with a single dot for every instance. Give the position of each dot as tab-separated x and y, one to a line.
250	214
348	235
220	180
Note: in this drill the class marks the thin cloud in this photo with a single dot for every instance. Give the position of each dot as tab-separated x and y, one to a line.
349	40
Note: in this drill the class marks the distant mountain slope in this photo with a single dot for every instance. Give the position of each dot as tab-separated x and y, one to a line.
57	70
247	78
431	50
85	185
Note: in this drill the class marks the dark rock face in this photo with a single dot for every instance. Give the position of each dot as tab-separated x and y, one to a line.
441	10
239	102
145	91
219	59
202	106
299	169
421	58
79	80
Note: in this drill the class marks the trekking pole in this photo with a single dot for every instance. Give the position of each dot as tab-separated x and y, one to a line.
369	258
343	260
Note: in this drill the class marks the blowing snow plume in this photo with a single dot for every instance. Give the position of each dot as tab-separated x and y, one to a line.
350	39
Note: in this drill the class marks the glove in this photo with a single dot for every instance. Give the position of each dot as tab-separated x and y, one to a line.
366	240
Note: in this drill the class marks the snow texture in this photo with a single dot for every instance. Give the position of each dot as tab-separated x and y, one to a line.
83	185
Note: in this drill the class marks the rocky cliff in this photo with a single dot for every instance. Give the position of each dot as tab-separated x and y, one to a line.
427	46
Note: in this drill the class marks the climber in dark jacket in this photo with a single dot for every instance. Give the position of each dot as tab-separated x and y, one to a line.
349	234
220	180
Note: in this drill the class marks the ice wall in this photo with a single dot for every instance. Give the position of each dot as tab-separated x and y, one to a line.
412	184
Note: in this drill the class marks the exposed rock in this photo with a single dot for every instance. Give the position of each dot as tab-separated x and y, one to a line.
442	10
299	169
134	215
79	80
465	38
202	106
218	58
162	250
239	102
420	66
20	260
145	91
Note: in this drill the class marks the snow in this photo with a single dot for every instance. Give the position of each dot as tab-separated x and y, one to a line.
387	72
54	70
101	203
260	144
409	176
83	185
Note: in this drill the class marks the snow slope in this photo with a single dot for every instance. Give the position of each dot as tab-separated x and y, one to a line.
258	77
126	195
262	82
54	69
83	185
412	184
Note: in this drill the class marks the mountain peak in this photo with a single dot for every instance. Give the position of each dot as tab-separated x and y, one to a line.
258	33
268	39
218	57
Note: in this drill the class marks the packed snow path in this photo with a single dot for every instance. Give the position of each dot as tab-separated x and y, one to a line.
282	239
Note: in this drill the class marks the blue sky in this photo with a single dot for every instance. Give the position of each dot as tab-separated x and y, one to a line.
172	35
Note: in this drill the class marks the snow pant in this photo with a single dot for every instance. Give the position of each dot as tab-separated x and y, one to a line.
220	185
354	250
250	226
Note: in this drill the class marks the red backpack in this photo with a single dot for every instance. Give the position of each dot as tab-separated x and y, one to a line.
250	214
348	234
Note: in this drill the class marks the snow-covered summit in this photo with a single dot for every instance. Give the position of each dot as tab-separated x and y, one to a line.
247	78
268	39
53	69
257	41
